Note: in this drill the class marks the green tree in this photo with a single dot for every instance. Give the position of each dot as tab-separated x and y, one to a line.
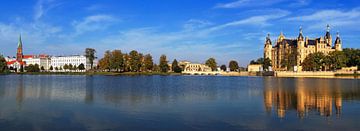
71	67
148	62
90	54
353	57
175	67
134	61
313	62
56	68
211	62
3	66
32	68
42	68
223	67
51	68
81	66
335	60
163	64
66	66
266	64
117	60
233	65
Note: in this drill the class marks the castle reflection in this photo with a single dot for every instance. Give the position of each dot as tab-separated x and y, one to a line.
323	96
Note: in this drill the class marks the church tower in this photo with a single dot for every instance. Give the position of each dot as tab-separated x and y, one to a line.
338	42
19	53
267	47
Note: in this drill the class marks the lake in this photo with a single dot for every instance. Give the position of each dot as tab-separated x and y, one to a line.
46	102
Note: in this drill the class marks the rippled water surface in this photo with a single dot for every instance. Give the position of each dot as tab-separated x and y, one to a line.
31	102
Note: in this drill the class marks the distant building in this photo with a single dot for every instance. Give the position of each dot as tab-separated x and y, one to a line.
255	68
297	49
75	60
191	67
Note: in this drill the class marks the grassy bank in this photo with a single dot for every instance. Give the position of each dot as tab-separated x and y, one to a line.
95	73
354	74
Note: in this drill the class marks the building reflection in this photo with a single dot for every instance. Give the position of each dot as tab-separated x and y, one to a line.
302	95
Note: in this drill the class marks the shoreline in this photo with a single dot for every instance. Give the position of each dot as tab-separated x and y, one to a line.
341	76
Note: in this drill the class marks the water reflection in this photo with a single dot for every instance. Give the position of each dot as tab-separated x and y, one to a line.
308	95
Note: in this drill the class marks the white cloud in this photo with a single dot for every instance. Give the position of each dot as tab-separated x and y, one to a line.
247	3
259	3
42	7
93	23
194	24
339	18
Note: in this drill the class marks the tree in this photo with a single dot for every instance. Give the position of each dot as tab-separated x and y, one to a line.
223	67
233	65
81	66
163	64
104	63
66	66
42	68
175	67
70	67
56	68
134	61
117	60
51	68
266	64
32	68
335	60
90	54
211	63
3	66
353	56
148	62
313	62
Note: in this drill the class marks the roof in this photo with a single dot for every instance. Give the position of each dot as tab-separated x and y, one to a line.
311	42
14	61
28	56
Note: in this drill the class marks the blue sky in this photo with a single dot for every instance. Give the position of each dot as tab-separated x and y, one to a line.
191	30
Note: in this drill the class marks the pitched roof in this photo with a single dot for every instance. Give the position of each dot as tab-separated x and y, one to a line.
14	61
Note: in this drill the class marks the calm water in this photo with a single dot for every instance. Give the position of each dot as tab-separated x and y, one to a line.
177	103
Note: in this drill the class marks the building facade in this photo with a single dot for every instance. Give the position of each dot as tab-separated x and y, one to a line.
288	54
74	60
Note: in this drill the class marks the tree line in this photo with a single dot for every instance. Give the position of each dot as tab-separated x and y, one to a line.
334	60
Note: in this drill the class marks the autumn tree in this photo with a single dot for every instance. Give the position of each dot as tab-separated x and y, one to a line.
163	64
148	62
117	60
134	61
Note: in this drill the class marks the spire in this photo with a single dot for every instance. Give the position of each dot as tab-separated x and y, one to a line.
268	40
327	35
20	42
338	40
301	37
337	34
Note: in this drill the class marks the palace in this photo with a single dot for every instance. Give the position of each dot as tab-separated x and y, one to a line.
288	54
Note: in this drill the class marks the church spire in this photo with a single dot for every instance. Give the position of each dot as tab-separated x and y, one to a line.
20	42
327	35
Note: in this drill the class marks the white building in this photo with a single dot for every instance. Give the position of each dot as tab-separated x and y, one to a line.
41	60
74	60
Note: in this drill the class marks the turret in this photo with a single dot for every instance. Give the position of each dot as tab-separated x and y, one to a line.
300	39
328	36
338	42
267	47
281	37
